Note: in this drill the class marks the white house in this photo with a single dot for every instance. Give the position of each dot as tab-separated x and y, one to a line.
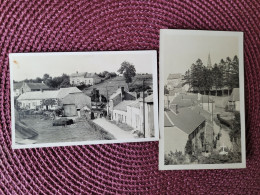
84	77
37	99
180	126
119	113
131	113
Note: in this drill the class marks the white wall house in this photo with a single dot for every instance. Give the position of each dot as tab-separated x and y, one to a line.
35	99
84	77
131	113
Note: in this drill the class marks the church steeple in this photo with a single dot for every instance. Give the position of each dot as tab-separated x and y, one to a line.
209	66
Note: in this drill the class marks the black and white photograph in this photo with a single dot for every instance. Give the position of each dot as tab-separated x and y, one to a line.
77	98
202	123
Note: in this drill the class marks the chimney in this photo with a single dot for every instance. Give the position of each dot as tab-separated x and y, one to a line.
122	93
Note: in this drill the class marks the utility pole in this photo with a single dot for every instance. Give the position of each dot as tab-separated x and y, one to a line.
143	110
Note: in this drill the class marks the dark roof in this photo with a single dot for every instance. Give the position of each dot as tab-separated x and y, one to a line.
85	74
17	85
123	105
37	86
234	95
174	76
187	120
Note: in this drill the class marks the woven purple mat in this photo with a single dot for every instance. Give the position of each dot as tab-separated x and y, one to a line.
56	26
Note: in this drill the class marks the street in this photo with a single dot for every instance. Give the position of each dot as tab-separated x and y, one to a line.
113	129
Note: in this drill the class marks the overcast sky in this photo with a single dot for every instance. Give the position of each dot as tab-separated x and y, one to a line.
31	66
180	51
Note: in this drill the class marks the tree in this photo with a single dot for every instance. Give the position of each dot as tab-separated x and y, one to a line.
235	133
188	147
217	74
128	71
49	102
196	75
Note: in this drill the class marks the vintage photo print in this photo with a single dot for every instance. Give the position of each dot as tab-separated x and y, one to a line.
202	122
61	99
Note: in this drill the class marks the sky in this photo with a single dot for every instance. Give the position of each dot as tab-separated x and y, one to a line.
30	66
180	51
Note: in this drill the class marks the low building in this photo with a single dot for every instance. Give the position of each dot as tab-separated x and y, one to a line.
76	104
120	95
84	78
180	125
119	113
234	100
45	100
29	87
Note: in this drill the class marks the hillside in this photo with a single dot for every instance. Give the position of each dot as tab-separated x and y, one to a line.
111	85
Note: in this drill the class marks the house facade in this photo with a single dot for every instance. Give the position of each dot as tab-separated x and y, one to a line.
120	95
84	77
180	126
45	100
131	112
76	104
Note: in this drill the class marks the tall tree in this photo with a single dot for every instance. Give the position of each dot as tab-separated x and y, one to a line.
217	74
128	71
196	76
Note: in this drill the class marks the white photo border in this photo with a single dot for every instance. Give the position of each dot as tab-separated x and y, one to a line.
155	99
173	32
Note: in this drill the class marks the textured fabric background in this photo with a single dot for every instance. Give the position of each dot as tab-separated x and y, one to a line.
56	26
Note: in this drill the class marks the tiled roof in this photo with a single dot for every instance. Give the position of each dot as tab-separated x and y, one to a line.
37	86
65	91
123	105
85	75
135	104
118	91
79	99
174	76
187	120
39	95
78	74
234	95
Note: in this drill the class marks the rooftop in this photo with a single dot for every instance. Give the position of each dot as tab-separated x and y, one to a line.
84	74
123	105
186	120
37	86
53	94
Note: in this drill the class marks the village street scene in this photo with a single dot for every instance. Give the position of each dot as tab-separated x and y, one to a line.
202	113
90	105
